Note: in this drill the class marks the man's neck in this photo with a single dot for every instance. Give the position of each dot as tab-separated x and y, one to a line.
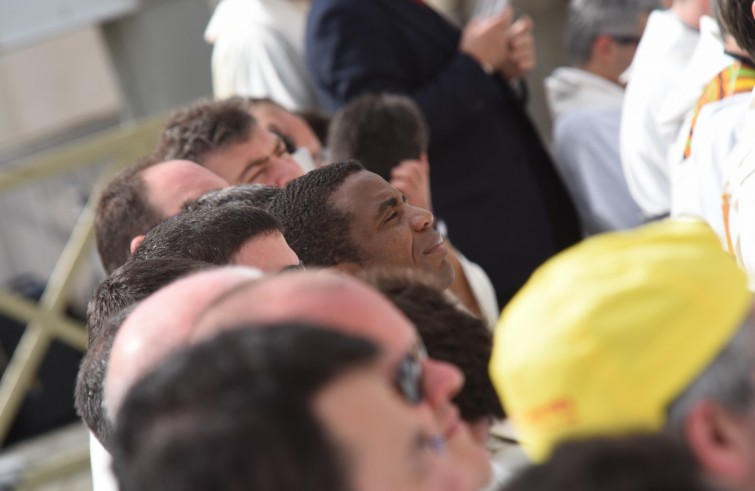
602	72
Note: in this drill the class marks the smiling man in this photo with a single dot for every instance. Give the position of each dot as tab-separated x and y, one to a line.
349	306
346	217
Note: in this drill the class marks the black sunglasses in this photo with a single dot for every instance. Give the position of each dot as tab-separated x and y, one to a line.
408	378
626	40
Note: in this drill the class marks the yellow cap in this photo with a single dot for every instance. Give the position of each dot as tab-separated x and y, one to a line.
604	336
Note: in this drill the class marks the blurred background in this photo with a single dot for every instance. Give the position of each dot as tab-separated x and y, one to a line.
83	87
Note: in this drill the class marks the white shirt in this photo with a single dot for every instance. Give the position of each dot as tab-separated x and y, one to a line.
587	113
697	182
666	48
739	186
259	51
103	478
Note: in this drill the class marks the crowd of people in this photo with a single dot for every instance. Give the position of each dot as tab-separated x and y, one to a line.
359	268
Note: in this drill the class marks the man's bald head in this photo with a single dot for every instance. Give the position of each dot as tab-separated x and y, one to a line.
348	305
161	324
316	297
174	183
140	197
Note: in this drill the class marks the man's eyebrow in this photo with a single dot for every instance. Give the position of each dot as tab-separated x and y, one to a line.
262	160
250	165
389	203
293	267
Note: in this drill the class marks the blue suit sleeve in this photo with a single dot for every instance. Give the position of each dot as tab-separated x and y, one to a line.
351	51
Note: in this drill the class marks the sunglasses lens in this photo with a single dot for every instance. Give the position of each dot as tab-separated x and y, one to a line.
409	378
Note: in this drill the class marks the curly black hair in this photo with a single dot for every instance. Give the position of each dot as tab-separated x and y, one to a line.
313	228
450	334
258	195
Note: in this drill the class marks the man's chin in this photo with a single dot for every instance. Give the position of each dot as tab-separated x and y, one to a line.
472	457
446	274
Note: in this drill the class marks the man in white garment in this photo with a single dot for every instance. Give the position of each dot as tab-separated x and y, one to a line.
258	51
655	104
717	124
585	101
739	186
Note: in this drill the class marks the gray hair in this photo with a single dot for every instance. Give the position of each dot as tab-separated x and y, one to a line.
726	381
588	19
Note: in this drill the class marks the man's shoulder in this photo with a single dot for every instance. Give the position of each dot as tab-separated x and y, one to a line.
582	122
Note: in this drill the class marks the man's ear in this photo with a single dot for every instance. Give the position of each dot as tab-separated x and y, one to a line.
602	48
752	8
719	442
135	242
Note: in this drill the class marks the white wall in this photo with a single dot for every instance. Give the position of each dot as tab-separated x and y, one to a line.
55	85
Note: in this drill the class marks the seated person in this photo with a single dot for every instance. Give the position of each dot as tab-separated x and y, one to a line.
280	407
294	130
643	330
455	336
204	304
643	462
257	195
388	135
450	334
225	138
349	305
346	217
233	233
128	285
141	196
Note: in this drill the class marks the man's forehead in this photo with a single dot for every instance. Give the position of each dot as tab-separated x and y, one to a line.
363	187
180	302
170	184
328	299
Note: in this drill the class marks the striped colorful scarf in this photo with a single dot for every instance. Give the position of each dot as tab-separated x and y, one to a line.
737	78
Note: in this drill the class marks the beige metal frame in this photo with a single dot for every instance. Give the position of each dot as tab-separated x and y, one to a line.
46	320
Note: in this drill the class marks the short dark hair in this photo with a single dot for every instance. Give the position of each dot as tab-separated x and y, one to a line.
133	282
378	130
195	131
646	462
316	231
129	284
90	381
737	17
450	334
234	412
123	212
258	195
318	120
213	235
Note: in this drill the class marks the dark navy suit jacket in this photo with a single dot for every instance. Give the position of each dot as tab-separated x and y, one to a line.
492	181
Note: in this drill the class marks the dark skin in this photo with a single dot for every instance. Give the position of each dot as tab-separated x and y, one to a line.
390	232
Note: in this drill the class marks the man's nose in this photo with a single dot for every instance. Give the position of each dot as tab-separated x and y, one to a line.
441	382
421	219
286	170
